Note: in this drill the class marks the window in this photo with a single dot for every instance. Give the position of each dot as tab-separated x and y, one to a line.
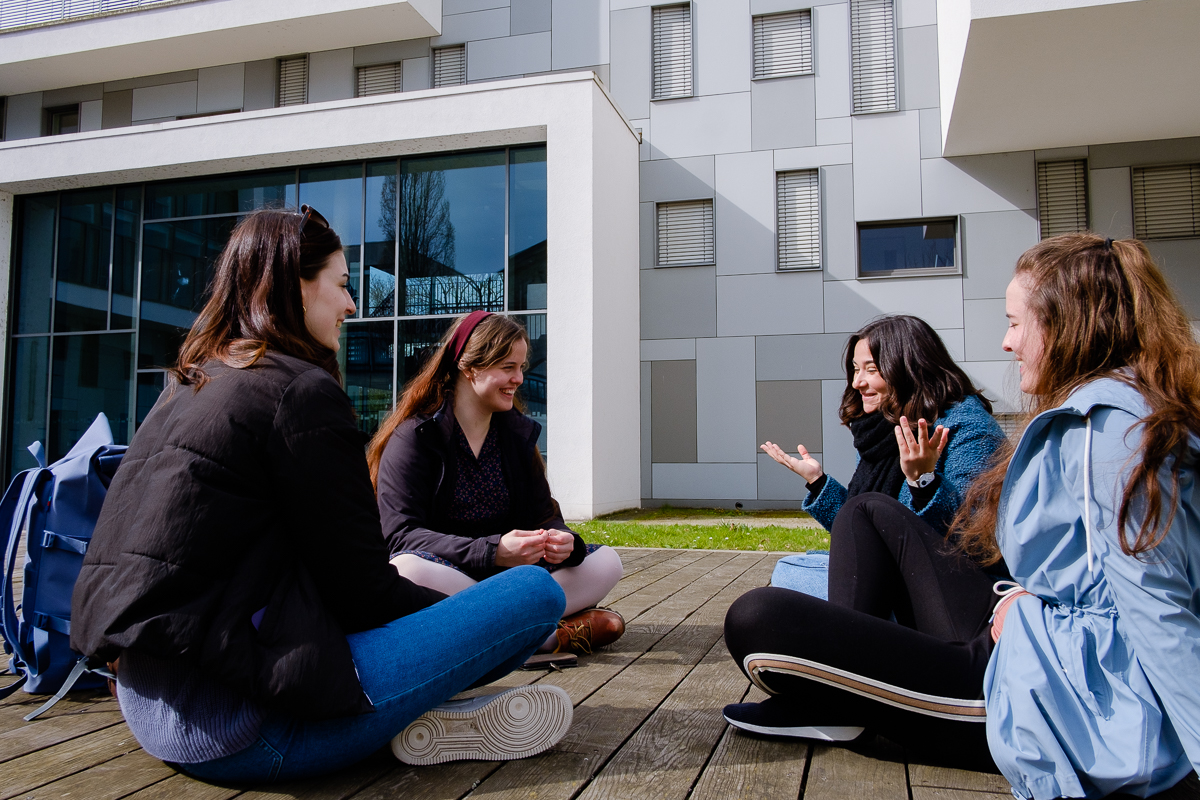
63	119
450	66
685	233
783	44
1166	202
380	79
1010	423
671	51
1062	197
919	247
798	220
873	55
293	81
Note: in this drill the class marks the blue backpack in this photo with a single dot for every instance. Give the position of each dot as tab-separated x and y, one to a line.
55	509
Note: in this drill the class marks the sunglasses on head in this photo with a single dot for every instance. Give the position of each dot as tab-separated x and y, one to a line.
310	214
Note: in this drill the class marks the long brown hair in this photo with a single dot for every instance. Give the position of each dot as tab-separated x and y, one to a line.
1104	310
488	345
923	378
254	302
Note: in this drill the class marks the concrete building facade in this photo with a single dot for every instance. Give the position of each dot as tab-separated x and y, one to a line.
728	189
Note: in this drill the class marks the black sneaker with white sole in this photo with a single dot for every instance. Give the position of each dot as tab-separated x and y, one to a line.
772	717
514	724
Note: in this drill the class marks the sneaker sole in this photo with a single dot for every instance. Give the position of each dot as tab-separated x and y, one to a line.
517	723
828	733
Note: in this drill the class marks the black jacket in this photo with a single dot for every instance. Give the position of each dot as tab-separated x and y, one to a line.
251	493
417	475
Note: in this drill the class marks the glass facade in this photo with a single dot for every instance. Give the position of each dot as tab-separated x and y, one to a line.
108	281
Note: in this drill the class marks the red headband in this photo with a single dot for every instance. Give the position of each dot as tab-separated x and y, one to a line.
459	342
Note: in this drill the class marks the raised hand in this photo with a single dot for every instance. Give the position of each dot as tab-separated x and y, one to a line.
521	547
919	453
805	466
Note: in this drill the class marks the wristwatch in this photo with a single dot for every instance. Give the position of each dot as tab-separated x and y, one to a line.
922	481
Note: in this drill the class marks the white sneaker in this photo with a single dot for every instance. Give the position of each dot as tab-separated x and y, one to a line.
498	727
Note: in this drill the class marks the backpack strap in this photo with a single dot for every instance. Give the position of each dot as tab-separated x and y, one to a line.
76	673
15	508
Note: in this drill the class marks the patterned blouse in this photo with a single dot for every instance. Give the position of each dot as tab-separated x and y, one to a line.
480	493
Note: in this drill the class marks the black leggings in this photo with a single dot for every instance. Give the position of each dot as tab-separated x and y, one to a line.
917	680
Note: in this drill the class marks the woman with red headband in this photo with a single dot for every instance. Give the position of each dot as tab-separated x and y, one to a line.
462	486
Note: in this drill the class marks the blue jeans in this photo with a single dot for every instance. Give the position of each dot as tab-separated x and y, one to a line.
406	668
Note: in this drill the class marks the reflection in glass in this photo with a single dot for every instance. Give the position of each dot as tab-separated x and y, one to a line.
366	358
225	195
379	266
417	340
527	228
27	417
337	192
884	249
177	261
125	244
35	268
89	374
149	387
84	243
452	233
533	391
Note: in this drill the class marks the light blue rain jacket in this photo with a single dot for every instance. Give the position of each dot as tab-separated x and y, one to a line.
1094	686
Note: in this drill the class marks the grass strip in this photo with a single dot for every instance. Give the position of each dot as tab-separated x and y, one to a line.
671	512
733	536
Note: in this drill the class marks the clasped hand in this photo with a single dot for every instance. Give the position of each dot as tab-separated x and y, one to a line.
919	453
530	547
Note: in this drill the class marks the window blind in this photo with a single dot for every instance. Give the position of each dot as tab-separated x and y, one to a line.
1062	196
1166	202
798	219
873	55
783	44
685	233
293	81
671	47
450	66
380	79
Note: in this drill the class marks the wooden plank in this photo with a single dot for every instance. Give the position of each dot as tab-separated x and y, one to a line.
943	782
836	773
40	733
609	716
664	757
747	766
335	786
663	588
668	566
112	779
181	787
438	782
14	709
40	768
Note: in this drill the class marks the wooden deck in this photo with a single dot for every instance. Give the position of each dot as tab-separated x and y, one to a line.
647	725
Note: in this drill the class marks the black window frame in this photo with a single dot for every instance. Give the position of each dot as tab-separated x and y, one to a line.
907	272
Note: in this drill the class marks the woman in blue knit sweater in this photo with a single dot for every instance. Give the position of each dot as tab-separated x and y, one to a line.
899	593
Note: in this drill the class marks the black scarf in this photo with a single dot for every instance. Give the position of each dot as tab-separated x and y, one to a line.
879	457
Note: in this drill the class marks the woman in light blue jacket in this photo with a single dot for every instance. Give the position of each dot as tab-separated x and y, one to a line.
1094	685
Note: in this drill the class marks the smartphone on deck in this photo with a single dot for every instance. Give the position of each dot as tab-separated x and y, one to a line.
551	661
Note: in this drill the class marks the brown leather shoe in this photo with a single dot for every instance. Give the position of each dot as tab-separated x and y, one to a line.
589	629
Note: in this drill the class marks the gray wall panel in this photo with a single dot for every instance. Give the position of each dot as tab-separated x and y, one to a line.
911	13
955	343
725	404
772	303
169	100
220	88
629	44
744	213
831	28
390	52
775	6
580	33
814	356
461	28
972	184
91	115
260	84
784	113
668	350
646	235
678	179
1179	260
851	304
701	125
1131	154
679	303
722	51
151	80
706	481
23	116
789	412
931	133
835	130
839	457
917	56
117	110
464	6
984	327
991	244
512	55
839	233
646	411
1110	202
777	482
887	166
416	74
72	95
673	411
331	75
529	16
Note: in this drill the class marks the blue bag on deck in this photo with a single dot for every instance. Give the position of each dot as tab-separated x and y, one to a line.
804	572
54	509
